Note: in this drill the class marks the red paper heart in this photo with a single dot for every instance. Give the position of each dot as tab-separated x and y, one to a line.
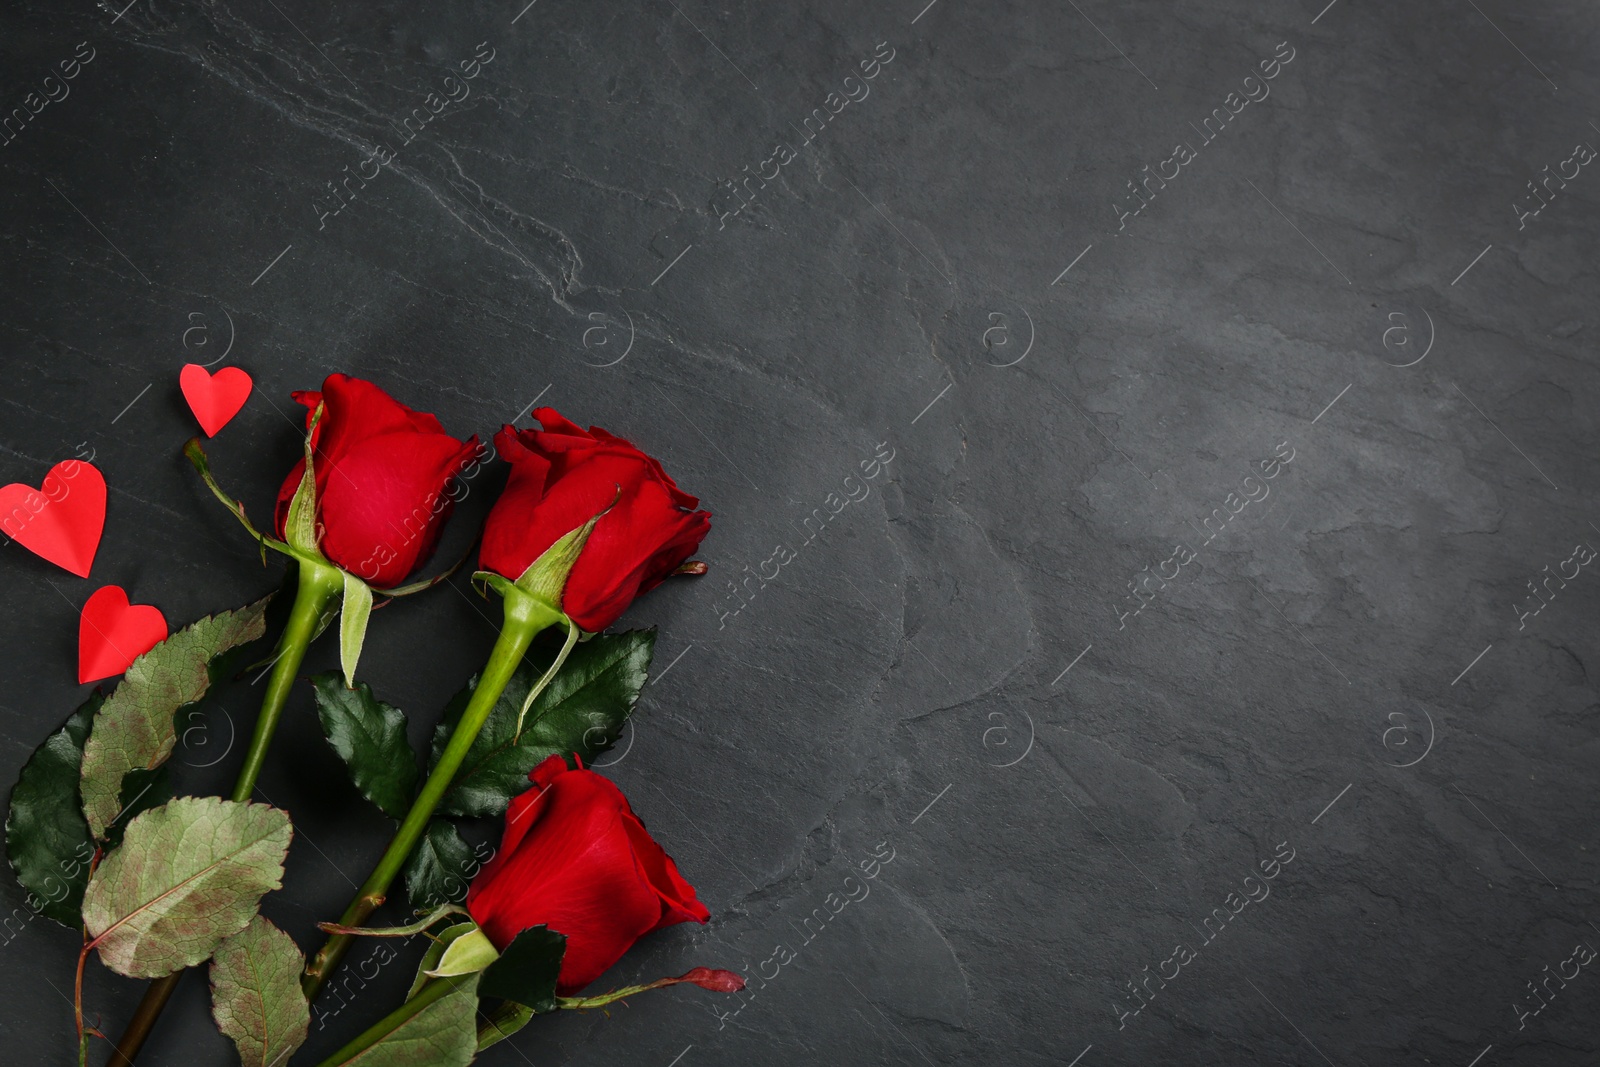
113	633
63	520
214	398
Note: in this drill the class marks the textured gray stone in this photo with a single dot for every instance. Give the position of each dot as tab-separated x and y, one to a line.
1097	785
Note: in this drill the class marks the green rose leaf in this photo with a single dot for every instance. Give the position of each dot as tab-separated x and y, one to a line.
47	840
440	868
134	730
526	971
582	711
255	994
188	875
141	791
504	1021
370	736
444	1033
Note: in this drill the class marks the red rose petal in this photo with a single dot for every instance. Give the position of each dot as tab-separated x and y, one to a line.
357	410
718	981
576	859
382	502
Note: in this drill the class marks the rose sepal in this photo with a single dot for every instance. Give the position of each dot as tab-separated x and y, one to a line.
511	1016
301	544
546	577
467	954
409	930
304	537
300	528
427	583
196	454
712	978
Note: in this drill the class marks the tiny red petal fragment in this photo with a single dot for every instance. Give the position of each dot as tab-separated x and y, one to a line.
714	980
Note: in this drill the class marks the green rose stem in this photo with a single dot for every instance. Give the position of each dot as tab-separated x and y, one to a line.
318	585
77	1005
525	616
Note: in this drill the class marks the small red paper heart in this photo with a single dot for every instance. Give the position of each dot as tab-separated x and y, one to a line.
63	520
214	398
113	633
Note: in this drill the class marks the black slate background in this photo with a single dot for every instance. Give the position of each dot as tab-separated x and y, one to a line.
901	681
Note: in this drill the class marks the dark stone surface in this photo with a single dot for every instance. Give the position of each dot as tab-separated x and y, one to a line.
1081	824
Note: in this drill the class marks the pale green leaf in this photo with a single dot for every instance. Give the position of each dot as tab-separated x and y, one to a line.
255	994
134	729
503	1022
188	875
353	619
442	1034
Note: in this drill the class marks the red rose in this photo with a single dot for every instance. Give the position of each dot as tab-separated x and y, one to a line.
561	477
576	859
381	472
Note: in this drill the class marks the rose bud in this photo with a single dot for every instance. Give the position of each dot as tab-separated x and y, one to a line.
561	478
575	858
381	470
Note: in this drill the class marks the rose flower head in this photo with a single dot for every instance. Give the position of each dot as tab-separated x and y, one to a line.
576	859
381	470
561	478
